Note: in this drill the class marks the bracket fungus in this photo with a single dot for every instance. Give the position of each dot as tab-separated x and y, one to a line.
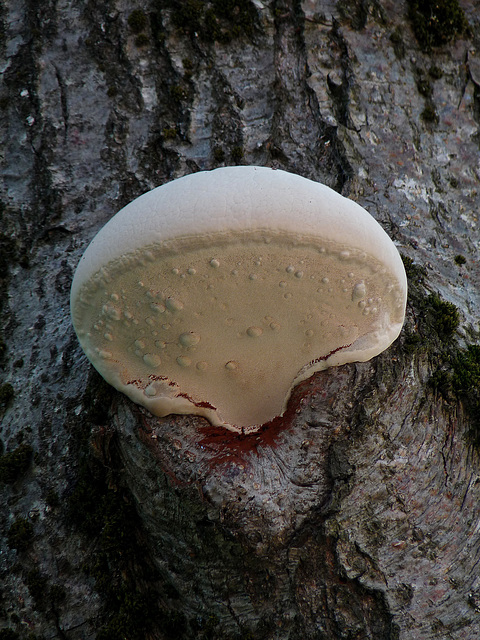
217	293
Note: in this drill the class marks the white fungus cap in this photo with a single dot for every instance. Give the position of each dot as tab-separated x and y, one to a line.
217	293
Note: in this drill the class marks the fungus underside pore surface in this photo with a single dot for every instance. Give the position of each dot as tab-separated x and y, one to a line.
224	326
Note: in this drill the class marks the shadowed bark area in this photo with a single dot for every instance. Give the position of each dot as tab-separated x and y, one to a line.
357	514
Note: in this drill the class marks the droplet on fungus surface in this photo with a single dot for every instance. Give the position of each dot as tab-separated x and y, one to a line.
189	339
205	326
254	332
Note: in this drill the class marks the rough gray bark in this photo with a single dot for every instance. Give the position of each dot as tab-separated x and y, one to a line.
358	515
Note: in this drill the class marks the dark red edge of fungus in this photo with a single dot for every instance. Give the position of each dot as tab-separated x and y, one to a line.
230	447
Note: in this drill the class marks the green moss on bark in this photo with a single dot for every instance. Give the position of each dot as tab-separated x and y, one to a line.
436	22
215	20
14	464
430	330
137	21
20	535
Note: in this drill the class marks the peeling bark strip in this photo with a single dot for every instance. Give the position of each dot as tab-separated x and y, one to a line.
63	98
362	518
